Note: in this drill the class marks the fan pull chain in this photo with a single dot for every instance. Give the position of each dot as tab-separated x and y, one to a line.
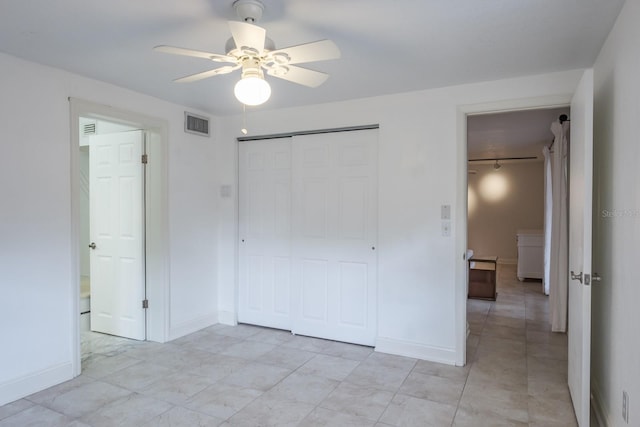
244	120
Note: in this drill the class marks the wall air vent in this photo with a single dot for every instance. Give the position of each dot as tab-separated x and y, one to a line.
196	124
89	129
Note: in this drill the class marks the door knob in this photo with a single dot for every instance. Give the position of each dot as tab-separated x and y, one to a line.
575	276
92	245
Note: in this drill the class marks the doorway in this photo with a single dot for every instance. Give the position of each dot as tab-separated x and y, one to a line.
506	222
154	195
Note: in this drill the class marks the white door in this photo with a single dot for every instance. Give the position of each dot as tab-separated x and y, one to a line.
117	230
265	233
334	178
580	220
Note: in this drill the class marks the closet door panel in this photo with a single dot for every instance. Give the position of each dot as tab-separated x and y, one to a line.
265	233
334	218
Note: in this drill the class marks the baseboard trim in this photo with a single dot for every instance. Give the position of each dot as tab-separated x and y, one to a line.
32	383
597	404
227	318
416	350
194	325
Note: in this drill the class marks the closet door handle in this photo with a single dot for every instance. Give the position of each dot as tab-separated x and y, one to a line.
92	245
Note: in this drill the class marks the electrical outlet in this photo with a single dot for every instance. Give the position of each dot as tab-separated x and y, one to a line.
625	406
446	228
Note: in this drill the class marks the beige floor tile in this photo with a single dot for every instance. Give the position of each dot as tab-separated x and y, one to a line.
383	378
138	377
101	366
14	407
266	411
410	411
458	373
500	401
351	399
217	367
86	399
335	368
36	416
131	410
436	389
285	357
177	388
222	400
548	411
182	417
251	350
321	417
271	336
348	351
257	376
478	418
303	388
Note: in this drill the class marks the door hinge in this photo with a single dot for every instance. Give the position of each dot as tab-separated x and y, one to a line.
145	159
145	303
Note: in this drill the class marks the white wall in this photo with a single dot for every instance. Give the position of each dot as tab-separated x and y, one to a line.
419	170
501	202
616	342
36	287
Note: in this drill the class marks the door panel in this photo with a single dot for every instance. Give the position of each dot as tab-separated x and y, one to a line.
116	227
580	232
335	232
265	233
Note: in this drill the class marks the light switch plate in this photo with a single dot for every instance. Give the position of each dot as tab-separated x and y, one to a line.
445	212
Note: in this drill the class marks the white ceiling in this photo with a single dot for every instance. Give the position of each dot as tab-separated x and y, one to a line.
388	46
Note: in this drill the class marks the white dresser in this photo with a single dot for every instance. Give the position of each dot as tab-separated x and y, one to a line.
530	254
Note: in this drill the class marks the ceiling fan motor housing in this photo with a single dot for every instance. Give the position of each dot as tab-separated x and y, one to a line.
249	10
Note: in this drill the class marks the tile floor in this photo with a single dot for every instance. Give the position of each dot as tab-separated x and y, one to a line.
251	376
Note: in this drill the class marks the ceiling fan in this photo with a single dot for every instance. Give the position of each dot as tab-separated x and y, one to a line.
251	50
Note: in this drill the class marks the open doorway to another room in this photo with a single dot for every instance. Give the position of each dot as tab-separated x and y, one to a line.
508	311
119	205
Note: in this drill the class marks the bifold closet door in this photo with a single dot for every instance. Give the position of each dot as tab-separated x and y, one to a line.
265	233
334	235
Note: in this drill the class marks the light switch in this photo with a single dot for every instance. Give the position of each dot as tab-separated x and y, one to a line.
445	212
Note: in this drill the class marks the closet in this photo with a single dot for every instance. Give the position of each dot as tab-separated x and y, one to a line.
308	233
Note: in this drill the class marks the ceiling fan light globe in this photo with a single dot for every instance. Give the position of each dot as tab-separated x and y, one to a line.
252	90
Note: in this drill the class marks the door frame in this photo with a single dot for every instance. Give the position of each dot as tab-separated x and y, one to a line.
156	218
461	276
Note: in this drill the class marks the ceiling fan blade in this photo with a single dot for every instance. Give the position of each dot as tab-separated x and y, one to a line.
309	52
203	75
299	75
248	35
194	53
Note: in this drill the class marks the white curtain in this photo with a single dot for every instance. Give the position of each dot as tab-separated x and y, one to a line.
558	271
548	209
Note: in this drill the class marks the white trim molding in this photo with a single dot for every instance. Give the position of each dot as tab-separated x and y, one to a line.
24	386
416	350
